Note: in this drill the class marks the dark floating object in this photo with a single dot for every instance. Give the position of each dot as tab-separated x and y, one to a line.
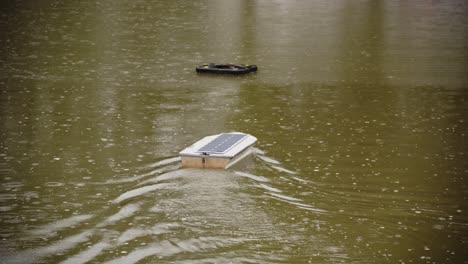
227	68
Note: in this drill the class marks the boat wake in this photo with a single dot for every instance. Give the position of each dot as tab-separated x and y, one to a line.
167	214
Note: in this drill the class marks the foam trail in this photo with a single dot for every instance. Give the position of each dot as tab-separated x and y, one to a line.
141	191
49	229
34	255
283	170
268	160
269	188
166	176
165	248
251	176
168	248
165	162
259	151
296	202
87	255
129	179
136	178
133	233
285	197
308	207
299	179
125	212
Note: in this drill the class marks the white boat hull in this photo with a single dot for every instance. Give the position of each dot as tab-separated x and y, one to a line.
192	157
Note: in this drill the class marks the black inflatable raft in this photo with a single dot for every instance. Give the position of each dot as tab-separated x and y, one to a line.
226	68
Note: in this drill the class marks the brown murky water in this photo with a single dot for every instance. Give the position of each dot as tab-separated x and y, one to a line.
360	108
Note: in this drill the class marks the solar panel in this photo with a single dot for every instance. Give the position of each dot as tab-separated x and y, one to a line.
223	143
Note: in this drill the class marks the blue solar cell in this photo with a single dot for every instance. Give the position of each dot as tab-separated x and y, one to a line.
222	143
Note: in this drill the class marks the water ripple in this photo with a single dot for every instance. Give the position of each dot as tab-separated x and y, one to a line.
142	190
36	254
88	254
51	228
170	247
252	176
124	212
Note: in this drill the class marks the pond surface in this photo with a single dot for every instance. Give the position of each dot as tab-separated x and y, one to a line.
360	109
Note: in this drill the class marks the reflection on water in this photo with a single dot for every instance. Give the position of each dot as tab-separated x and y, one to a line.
359	108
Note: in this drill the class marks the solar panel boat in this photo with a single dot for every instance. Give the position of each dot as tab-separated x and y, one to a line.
218	151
